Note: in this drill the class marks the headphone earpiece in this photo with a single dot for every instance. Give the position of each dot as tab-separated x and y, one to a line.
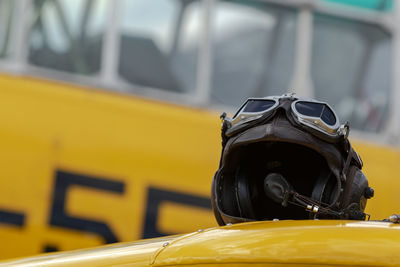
243	196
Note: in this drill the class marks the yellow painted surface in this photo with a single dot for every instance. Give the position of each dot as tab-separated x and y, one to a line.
47	126
289	242
143	145
283	243
381	166
140	253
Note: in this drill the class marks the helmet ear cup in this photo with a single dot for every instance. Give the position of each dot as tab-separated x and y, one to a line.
356	185
214	200
326	188
243	195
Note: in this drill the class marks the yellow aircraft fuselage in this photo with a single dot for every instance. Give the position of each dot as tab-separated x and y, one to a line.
274	243
81	167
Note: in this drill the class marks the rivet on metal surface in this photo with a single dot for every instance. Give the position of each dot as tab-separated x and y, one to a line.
395	218
275	220
165	244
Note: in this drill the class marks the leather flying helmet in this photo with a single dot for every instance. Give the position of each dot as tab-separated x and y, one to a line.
286	157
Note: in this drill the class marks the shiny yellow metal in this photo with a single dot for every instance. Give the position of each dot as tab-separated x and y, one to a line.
299	243
290	242
139	253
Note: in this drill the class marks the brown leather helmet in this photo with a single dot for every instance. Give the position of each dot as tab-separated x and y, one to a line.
287	158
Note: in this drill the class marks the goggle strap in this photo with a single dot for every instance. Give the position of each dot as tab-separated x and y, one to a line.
348	160
347	128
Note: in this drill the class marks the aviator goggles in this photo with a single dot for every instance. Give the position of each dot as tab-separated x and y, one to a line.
314	115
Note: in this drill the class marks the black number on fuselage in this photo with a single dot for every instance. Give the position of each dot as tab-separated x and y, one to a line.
59	216
13	218
156	197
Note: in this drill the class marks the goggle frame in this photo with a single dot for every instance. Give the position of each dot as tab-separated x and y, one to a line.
242	117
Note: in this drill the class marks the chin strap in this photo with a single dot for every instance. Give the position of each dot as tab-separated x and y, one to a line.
352	212
278	189
310	205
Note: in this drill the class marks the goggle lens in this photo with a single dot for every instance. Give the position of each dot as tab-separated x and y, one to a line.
328	116
317	110
258	105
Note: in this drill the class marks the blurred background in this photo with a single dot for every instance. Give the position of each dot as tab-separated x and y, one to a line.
109	125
